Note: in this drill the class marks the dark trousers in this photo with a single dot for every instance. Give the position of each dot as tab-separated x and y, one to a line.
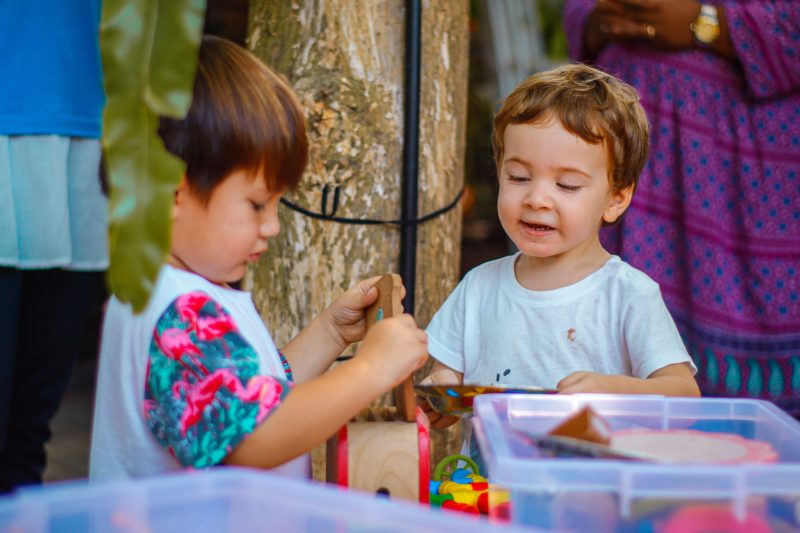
43	316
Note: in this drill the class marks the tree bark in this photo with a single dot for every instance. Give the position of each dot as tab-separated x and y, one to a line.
345	60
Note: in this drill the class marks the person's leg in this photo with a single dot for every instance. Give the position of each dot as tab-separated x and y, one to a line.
10	291
55	305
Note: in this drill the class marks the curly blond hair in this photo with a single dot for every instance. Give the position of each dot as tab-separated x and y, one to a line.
591	104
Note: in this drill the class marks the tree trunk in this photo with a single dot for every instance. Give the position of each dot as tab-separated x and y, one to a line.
345	60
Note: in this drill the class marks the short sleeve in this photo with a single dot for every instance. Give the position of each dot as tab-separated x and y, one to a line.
446	330
651	337
203	391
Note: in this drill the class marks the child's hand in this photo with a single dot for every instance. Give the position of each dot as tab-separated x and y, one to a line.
442	375
587	382
394	348
672	380
436	419
345	317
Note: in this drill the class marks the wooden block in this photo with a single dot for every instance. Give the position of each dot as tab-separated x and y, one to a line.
389	304
586	425
384	457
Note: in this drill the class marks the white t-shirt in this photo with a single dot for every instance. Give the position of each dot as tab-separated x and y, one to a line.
497	332
123	445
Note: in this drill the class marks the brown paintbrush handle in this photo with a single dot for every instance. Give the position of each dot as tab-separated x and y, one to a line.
387	305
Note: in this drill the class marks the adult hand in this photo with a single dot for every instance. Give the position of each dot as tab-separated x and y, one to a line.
664	24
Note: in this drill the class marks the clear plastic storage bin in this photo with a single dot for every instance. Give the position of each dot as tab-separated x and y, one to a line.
598	496
220	500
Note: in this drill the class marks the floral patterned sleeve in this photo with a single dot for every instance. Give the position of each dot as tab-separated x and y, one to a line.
203	391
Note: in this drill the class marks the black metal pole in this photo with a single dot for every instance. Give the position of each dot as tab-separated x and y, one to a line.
408	237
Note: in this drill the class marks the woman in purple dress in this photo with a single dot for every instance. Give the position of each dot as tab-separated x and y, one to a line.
716	216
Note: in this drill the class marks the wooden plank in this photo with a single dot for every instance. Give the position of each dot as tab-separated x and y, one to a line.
389	304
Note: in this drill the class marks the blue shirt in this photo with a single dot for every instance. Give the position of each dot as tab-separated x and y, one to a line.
50	69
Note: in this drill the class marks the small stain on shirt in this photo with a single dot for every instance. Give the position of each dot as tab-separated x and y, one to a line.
571	334
506	372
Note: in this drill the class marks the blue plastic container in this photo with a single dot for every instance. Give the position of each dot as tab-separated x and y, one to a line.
598	495
219	501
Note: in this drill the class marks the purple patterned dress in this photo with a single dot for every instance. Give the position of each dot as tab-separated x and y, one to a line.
715	219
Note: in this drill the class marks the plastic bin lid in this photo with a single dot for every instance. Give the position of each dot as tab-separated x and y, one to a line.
221	500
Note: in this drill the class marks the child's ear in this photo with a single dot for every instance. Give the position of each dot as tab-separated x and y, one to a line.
618	203
180	193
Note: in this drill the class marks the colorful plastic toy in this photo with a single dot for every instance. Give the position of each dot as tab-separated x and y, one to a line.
464	489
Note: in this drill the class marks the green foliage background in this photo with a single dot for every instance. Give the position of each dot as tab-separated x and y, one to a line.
149	50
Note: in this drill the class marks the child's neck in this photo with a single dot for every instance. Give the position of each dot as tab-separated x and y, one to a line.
176	262
550	273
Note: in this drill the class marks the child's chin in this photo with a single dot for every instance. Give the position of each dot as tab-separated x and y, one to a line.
537	253
236	274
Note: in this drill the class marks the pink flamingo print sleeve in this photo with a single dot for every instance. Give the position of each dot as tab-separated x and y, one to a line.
203	392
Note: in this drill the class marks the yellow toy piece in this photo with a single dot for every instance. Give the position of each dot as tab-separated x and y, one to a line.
465	491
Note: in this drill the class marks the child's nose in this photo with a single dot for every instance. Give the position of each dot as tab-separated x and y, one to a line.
539	196
270	226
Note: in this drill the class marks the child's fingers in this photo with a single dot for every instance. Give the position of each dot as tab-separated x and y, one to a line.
408	321
570	380
444	421
436	419
359	296
369	282
441	377
368	293
366	289
368	296
421	335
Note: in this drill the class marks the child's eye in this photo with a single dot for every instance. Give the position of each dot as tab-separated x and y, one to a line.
517	179
566	187
257	206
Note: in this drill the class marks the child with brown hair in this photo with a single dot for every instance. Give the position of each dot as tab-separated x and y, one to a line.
563	313
196	380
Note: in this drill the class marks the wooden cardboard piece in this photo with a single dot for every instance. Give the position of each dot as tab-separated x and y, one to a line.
389	304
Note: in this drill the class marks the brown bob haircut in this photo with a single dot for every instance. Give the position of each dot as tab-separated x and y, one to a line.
591	104
243	116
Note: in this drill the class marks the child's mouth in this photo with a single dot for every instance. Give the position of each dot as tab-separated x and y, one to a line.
538	227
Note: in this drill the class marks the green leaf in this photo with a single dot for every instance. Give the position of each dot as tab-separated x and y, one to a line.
149	50
172	69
